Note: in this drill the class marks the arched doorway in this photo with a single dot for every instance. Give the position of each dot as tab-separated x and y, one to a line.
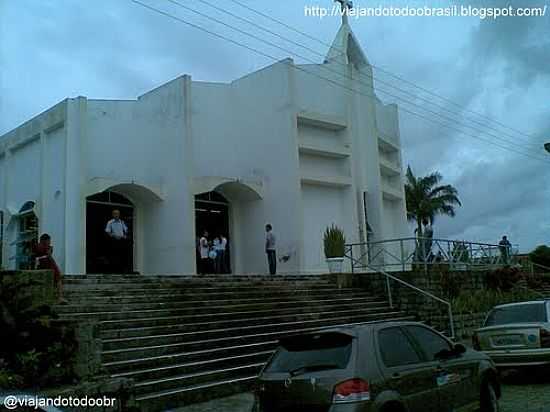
25	224
212	215
99	251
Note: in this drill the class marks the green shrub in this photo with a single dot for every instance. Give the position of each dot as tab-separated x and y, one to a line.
35	348
503	279
451	283
334	242
484	300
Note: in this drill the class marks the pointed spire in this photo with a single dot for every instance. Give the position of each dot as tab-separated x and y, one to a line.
345	48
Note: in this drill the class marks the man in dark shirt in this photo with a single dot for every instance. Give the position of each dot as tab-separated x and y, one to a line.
504	245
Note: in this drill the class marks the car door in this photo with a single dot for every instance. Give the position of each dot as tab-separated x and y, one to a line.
405	372
457	373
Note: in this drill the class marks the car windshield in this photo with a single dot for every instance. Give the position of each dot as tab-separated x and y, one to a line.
309	353
532	312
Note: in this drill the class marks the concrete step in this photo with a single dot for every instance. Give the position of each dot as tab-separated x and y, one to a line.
234	306
185	339
179	369
85	301
210	339
80	287
152	362
243	315
163	400
197	378
156	313
192	295
237	322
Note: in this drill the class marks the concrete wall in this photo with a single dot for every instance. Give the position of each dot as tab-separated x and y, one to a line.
32	168
145	151
266	145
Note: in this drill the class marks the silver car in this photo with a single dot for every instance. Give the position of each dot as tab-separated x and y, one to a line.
516	334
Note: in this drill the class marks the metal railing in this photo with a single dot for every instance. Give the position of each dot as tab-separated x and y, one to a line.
389	277
401	254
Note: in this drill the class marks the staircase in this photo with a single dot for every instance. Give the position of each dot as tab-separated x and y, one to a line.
184	339
544	287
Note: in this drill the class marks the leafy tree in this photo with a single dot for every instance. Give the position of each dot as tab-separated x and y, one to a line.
541	256
426	198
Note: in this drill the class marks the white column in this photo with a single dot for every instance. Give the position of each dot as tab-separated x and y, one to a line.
75	203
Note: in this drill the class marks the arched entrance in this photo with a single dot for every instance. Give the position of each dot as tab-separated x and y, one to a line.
25	226
212	215
100	254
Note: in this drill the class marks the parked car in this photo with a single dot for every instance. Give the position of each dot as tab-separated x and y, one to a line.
516	335
376	367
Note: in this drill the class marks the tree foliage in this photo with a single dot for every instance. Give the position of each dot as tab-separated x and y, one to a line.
541	256
426	198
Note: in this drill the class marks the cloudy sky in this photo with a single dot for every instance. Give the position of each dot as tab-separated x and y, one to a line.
52	49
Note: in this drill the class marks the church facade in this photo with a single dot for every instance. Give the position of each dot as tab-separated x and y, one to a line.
298	146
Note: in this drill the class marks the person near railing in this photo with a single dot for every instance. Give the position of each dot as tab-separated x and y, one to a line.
504	246
424	242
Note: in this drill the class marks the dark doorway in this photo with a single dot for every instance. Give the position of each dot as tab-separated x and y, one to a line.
212	215
99	253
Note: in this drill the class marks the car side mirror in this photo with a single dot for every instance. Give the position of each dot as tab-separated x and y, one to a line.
459	349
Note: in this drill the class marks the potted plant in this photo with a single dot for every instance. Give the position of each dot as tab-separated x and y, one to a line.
334	244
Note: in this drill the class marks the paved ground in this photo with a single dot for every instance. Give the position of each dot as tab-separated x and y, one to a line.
526	392
522	392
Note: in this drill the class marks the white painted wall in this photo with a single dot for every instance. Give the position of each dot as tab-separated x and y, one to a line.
153	150
148	143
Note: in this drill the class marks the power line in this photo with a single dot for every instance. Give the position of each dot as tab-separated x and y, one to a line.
502	125
341	64
338	73
159	11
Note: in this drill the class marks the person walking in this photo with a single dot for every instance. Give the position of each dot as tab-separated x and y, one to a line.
203	253
117	231
504	245
270	249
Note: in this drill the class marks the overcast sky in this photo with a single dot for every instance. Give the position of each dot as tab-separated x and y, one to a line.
52	49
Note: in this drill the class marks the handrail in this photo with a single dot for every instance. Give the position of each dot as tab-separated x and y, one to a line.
434	239
403	252
430	295
541	266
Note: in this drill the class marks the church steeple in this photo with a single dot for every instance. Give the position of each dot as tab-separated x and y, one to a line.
345	47
345	5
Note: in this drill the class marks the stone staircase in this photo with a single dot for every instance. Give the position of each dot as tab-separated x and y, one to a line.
184	339
544	287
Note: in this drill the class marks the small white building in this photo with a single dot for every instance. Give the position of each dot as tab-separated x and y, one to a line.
291	145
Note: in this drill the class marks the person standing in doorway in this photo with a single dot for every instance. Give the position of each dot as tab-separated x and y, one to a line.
504	245
117	231
270	249
221	257
203	252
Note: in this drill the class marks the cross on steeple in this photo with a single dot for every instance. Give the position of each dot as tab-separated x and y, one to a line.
345	5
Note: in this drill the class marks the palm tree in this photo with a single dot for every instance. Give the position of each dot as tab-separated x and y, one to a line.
426	198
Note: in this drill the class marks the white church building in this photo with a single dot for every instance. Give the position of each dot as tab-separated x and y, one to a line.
282	145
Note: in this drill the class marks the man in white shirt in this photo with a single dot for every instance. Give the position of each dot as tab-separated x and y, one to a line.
203	253
270	249
117	231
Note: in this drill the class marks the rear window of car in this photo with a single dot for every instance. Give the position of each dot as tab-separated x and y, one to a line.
322	351
532	312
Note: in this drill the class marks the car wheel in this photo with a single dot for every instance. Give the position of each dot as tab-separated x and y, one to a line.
489	398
